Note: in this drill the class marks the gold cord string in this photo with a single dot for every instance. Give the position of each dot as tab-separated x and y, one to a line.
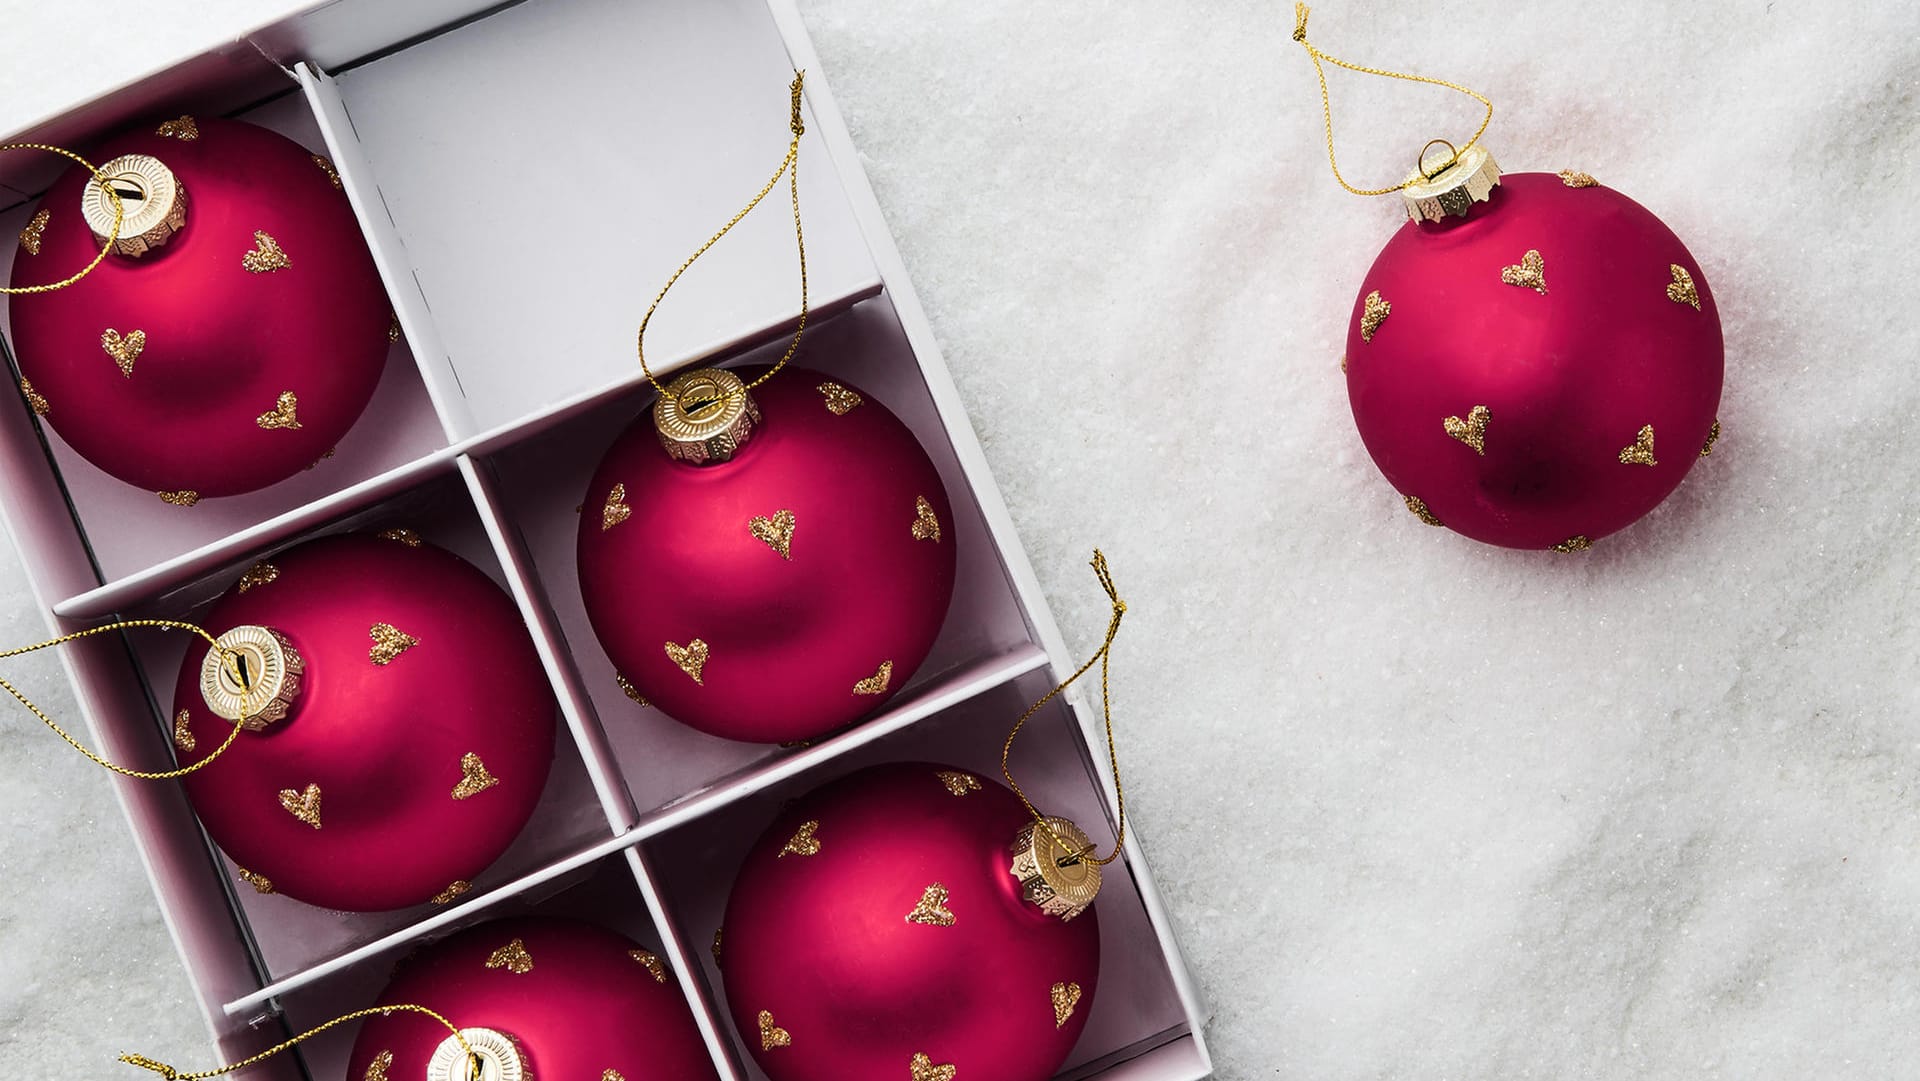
113	234
1102	655
171	1074
790	168
228	657
1326	103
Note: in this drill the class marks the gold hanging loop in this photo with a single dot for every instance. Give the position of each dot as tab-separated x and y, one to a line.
1103	655
789	168
170	1074
1326	102
113	234
228	657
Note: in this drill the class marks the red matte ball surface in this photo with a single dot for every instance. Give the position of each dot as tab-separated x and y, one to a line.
578	999
827	978
385	744
217	345
1568	378
789	646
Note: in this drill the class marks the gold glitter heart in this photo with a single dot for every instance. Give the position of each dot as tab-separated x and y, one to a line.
124	351
333	175
1576	543
957	782
925	525
803	842
776	532
1713	436
1066	996
932	910
35	400
389	642
1473	430
1641	452
393	329
772	1035
1574	179
627	688
185	497
513	957
260	883
37	228
716	947
405	536
651	963
474	778
377	1069
691	658
257	575
453	890
182	735
266	256
613	1075
1374	314
304	805
284	414
1419	508
840	400
1682	290
877	682
183	129
924	1069
616	509
1530	273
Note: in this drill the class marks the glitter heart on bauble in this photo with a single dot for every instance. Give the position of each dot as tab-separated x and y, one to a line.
537	998
235	332
401	727
912	921
766	565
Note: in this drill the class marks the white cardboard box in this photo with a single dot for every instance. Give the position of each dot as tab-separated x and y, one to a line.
526	175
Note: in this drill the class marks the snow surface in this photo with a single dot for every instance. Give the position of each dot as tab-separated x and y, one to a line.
1422	808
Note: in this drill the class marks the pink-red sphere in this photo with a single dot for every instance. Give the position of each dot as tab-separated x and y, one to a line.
413	755
1540	373
836	969
172	371
782	594
578	1000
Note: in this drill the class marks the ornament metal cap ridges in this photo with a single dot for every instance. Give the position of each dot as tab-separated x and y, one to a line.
1061	884
499	1054
253	673
1451	193
705	416
153	201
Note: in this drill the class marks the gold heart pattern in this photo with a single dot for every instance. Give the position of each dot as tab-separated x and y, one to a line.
651	963
333	175
1713	436
924	1069
840	400
260	883
877	682
627	688
1529	273
185	497
405	536
124	351
613	1075
35	400
1682	290
803	842
259	574
377	1069
453	890
772	1035
303	805
1576	543
925	525
957	782
393	329
37	228
1066	996
513	957
1575	179
1641	450
389	642
1374	314
775	532
616	510
183	735
692	658
474	778
1473	430
716	947
266	255
1419	507
183	129
284	414
932	911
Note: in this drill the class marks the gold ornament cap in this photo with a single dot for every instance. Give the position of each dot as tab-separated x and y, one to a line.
1452	191
1059	880
705	416
154	202
252	674
499	1055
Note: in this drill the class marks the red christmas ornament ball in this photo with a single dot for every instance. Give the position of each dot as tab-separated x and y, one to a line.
571	999
783	593
1540	372
233	356
418	736
876	932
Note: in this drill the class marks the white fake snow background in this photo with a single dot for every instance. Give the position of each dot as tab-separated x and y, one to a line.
1422	809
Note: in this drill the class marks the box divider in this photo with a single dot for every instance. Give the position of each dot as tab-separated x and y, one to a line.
713	1027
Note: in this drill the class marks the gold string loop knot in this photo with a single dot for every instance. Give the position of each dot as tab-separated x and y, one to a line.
146	1063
